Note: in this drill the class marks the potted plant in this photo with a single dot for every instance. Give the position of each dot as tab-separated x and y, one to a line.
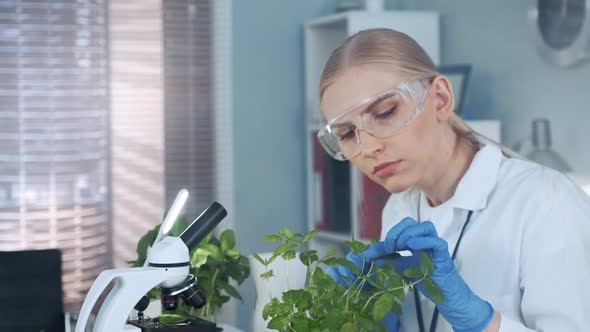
324	305
216	263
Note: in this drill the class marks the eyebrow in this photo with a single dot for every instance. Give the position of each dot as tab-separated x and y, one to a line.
364	110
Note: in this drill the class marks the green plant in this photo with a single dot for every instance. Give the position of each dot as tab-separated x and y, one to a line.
216	262
324	305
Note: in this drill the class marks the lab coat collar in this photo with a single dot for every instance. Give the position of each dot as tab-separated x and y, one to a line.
478	182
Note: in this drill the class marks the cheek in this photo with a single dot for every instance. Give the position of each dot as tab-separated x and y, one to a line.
364	166
423	139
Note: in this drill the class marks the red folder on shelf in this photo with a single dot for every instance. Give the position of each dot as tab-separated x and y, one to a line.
321	215
331	191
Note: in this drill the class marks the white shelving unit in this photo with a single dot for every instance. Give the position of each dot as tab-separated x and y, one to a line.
349	190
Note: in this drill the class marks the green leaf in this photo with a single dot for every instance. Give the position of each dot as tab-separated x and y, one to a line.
382	306
366	324
300	323
228	240
286	233
348	327
199	257
172	319
289	255
331	253
237	271
334	261
308	257
397	308
334	318
433	290
266	311
215	251
259	259
270	309
233	253
310	235
278	323
273	238
413	272
395	280
272	258
426	264
300	298
267	275
229	289
285	247
357	246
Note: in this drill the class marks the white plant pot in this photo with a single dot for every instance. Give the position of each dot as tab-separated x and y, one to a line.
288	275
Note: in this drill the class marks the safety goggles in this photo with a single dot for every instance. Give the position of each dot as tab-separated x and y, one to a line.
381	115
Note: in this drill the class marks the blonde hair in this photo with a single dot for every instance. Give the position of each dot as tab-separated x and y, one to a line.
397	51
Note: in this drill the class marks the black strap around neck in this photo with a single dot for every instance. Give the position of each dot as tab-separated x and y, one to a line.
434	320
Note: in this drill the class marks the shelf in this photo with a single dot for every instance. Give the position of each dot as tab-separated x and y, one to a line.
333	236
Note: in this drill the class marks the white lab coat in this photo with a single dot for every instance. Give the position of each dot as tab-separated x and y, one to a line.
526	249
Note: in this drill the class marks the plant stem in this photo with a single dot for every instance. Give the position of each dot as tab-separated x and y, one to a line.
288	268
392	289
208	305
364	281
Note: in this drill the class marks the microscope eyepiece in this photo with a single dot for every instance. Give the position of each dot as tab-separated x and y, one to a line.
203	225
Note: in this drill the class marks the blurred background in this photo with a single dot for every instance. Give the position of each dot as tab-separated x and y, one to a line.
109	107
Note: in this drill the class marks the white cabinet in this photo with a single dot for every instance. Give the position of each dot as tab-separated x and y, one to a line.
341	201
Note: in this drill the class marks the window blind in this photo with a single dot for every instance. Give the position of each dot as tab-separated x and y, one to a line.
53	134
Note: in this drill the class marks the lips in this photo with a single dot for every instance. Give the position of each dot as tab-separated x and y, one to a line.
386	169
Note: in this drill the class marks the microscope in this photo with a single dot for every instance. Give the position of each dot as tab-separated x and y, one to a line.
167	266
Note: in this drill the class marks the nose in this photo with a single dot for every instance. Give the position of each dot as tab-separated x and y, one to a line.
369	144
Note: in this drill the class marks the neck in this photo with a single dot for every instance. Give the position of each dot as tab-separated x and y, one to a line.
447	168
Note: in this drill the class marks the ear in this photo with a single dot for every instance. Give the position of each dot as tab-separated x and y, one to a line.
444	100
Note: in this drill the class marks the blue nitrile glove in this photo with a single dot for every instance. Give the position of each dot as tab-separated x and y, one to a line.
465	311
346	277
343	275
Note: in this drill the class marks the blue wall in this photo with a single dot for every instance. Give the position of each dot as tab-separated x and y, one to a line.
269	123
511	81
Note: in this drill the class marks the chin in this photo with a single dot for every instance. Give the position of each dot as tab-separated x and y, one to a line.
395	186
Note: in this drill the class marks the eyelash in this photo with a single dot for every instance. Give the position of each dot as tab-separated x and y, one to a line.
387	113
349	134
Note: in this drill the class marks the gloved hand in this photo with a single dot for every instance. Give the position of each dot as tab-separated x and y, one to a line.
465	311
346	277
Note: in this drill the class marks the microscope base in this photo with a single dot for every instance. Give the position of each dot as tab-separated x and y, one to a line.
196	325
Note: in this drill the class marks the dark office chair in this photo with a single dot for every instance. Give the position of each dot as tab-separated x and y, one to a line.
31	292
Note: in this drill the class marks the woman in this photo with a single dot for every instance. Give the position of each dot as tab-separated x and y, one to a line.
520	230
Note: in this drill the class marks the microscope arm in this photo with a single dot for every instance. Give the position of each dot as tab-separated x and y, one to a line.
130	285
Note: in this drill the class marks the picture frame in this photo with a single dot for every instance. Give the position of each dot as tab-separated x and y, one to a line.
459	76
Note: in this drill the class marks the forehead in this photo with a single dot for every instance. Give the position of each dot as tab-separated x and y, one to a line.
353	85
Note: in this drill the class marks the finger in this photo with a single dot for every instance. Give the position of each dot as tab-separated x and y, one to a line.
356	259
403	263
332	271
359	261
375	251
347	275
394	233
423	229
439	247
